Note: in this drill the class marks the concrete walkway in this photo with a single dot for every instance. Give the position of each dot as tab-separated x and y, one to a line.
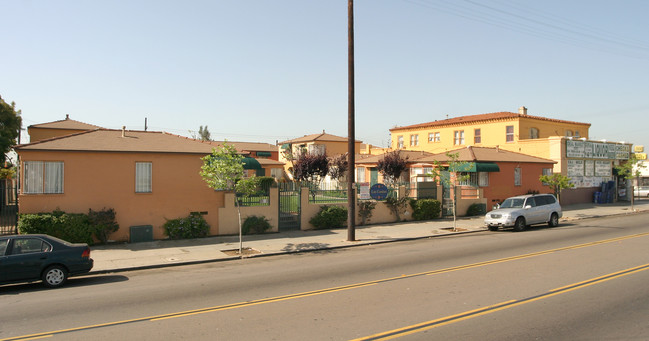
163	253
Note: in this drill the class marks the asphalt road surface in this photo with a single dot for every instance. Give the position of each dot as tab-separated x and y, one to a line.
585	280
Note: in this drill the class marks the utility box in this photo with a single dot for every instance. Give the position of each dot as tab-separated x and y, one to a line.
142	233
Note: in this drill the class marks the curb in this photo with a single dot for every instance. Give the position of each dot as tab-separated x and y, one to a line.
260	255
361	243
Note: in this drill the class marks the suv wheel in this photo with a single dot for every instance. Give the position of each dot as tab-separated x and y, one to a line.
519	225
554	220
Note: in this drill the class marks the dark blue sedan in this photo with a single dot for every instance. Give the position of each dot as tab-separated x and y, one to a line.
33	257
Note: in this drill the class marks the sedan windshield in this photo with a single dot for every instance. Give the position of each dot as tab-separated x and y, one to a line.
512	203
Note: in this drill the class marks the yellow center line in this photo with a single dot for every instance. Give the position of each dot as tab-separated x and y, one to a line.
423	326
317	292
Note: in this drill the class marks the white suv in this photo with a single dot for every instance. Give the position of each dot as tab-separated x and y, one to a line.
525	210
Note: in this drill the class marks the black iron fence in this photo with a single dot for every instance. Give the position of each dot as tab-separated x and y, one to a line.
8	207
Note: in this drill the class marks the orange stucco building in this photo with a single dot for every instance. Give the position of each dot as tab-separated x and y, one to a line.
146	177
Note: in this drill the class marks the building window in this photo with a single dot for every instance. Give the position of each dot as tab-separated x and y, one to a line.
414	140
360	174
143	176
400	142
458	137
548	172
469	179
534	133
483	179
577	133
477	138
433	137
43	177
317	149
568	133
509	135
517	176
276	173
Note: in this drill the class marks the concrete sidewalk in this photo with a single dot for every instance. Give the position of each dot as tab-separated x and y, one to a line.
163	253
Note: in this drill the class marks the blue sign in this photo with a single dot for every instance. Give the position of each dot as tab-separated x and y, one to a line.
378	192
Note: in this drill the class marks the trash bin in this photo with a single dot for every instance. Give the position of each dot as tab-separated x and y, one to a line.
597	197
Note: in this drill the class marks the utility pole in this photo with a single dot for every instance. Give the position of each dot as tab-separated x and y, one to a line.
351	135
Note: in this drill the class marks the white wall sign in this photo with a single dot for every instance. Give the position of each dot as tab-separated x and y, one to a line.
603	168
575	168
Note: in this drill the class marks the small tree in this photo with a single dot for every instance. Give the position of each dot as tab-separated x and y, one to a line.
10	125
311	168
455	169
391	167
223	170
338	166
630	169
204	134
557	182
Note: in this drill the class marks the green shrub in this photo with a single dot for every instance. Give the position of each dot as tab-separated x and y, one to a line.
255	224
192	226
329	217
103	223
73	227
476	209
365	209
425	209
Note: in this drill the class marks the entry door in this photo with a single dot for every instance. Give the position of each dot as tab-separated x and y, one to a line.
374	176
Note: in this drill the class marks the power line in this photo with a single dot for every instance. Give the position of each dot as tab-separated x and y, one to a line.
557	30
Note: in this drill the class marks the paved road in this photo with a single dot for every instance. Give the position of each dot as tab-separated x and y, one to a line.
585	280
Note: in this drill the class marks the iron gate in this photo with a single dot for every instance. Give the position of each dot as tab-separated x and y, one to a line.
8	207
289	206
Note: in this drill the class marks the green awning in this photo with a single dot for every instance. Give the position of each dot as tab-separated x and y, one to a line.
266	154
250	163
486	167
472	167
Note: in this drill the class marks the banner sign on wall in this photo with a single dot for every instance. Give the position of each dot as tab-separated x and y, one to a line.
597	150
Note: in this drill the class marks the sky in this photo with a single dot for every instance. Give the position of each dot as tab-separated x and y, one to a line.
273	70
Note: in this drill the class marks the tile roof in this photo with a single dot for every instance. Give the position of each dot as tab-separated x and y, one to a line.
486	154
318	137
249	146
481	117
67	123
409	155
110	140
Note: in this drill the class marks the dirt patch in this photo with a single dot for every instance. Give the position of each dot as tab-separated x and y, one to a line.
246	251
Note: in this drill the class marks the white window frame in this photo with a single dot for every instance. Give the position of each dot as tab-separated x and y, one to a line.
509	135
458	136
518	176
483	179
400	142
44	177
434	137
276	173
477	136
360	174
414	139
144	177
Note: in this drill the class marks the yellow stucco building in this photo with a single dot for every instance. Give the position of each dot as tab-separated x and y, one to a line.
587	163
507	130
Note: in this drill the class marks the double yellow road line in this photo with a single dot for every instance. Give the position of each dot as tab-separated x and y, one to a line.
393	333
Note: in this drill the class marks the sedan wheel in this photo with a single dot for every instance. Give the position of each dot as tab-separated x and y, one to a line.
519	225
54	276
554	220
